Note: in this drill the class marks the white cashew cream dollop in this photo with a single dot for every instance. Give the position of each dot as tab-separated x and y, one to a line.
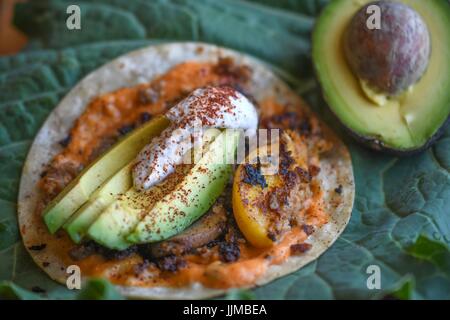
210	107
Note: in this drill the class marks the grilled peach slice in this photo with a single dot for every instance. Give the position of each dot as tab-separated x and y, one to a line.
258	198
248	206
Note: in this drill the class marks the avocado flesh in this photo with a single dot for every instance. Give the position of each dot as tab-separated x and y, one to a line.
79	190
121	216
79	223
131	220
403	124
114	224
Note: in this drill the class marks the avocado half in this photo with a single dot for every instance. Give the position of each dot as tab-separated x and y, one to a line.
403	126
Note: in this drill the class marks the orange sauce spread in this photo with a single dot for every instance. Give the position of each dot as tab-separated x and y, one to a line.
102	119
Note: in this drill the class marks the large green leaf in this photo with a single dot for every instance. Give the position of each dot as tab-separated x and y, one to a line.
108	22
139	20
401	217
311	8
276	36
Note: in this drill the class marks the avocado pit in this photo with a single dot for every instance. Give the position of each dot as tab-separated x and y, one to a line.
388	61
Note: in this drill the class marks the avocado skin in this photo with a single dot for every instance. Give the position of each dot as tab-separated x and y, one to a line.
377	145
371	142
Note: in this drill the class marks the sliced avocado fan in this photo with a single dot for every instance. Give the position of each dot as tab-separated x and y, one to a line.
92	177
124	222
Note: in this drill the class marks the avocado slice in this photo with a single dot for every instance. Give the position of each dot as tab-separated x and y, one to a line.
116	222
193	197
122	215
79	190
138	219
403	125
79	223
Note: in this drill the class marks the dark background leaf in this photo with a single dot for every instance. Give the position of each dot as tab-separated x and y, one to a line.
99	289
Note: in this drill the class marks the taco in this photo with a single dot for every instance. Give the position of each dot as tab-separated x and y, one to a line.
103	187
